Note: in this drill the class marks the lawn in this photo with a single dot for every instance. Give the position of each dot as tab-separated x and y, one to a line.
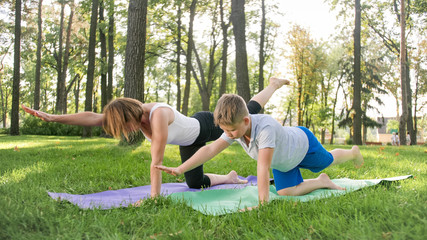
32	165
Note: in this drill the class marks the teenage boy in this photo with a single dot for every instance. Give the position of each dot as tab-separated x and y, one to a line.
284	149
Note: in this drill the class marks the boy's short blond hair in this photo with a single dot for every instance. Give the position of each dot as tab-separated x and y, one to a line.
120	114
230	109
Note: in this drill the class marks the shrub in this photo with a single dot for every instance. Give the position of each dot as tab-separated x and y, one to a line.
34	126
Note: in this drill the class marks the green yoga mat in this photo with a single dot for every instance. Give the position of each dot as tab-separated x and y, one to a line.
224	201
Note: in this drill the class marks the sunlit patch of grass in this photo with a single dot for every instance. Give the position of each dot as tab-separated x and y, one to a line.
17	175
80	166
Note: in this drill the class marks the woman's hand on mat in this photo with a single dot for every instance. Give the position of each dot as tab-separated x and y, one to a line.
42	115
170	170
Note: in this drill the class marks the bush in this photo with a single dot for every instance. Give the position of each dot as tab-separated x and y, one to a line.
4	130
35	126
349	141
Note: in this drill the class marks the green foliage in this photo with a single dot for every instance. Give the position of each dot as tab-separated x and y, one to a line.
35	126
392	126
80	166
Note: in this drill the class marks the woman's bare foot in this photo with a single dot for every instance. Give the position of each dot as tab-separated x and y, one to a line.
324	178
234	178
358	158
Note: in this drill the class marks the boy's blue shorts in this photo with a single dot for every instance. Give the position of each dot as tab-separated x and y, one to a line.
316	159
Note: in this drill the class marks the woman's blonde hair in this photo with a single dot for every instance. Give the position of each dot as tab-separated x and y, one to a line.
230	109
121	115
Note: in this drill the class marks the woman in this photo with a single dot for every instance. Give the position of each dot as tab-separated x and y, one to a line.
161	124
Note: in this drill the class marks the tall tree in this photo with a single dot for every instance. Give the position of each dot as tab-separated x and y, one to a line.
261	48
403	79
188	65
178	57
239	30
104	63
66	59
205	81
39	57
14	122
59	106
111	34
224	27
135	49
87	131
357	89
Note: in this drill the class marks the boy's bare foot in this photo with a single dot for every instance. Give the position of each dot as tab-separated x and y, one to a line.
324	178
234	178
358	158
278	82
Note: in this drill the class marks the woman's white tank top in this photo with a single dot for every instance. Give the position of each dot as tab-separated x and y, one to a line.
183	131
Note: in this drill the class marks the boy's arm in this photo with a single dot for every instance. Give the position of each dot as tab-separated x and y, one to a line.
265	156
87	119
201	156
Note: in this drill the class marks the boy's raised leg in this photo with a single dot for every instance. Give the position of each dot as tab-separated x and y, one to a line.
344	155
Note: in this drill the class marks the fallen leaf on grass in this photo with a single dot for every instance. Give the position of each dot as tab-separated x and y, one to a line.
154	236
16	149
397	154
386	235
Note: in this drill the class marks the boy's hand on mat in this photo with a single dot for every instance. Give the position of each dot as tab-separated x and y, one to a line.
42	115
170	170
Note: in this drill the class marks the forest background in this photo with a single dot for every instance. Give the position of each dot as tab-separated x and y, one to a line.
70	56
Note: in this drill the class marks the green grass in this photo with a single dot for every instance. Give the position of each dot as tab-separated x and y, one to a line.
79	166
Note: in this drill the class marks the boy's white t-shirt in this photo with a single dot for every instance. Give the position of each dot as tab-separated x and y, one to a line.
290	143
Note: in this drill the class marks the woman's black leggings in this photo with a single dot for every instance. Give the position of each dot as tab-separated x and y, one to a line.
208	132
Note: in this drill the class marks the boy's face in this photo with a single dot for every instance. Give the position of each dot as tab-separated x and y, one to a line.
236	130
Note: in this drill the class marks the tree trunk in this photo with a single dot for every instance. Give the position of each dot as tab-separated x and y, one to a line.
205	86
87	131
410	123
188	65
417	85
178	60
261	48
66	59
333	112
39	57
403	76
111	34
224	27
135	49
357	119
239	25
60	85
104	64
77	92
14	122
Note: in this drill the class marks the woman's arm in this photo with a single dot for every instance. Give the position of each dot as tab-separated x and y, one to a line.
159	126
265	156
86	119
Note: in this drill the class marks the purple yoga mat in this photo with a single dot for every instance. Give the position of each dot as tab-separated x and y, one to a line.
127	196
